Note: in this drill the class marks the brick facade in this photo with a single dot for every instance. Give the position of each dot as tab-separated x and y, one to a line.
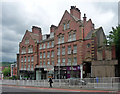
74	42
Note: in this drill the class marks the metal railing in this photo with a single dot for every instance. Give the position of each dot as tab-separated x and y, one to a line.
104	83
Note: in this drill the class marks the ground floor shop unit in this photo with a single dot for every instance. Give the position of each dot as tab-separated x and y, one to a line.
58	72
26	75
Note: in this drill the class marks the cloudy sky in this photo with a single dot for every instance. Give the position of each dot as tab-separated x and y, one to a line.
17	17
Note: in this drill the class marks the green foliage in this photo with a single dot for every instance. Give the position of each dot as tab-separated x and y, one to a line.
114	38
6	72
6	63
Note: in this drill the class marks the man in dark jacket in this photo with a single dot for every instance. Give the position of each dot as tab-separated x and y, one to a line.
50	81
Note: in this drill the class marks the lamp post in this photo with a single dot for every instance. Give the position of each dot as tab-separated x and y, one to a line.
71	64
81	71
59	63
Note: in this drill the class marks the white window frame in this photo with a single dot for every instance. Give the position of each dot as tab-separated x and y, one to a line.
32	58
25	58
59	40
58	60
69	61
28	58
75	49
21	59
58	51
74	36
44	46
68	25
52	53
48	62
64	26
40	46
69	37
40	54
63	50
52	44
48	54
63	39
74	60
44	55
69	49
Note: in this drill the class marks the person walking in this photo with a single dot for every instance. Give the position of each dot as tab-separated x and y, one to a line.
50	81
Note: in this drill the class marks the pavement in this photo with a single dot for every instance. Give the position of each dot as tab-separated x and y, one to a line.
71	89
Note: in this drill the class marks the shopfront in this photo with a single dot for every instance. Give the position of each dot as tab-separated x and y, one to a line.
66	72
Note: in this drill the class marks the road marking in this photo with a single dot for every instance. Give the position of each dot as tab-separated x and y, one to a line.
68	90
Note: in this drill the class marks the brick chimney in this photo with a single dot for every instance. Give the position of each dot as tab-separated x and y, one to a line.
75	12
53	28
84	18
36	30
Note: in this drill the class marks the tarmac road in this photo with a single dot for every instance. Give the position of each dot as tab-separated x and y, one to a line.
38	90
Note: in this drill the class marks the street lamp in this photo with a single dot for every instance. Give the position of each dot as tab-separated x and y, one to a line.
81	71
59	62
71	64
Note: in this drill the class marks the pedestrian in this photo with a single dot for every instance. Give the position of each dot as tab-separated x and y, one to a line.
50	81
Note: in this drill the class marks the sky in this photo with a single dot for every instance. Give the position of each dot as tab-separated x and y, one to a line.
19	16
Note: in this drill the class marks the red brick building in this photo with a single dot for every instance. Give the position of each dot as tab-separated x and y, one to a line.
67	52
13	70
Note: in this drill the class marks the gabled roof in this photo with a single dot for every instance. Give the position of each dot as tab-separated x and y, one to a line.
89	35
34	36
74	18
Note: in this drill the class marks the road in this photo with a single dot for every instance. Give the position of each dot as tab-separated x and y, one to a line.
37	90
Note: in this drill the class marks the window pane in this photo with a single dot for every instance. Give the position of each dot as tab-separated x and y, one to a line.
58	53
40	54
62	39
25	58
40	46
74	36
63	51
69	49
44	55
64	27
67	25
69	37
32	59
75	49
48	54
52	54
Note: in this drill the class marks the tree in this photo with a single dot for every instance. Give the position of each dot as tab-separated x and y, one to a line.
6	71
114	39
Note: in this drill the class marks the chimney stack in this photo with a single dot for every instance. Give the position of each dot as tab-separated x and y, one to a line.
53	28
36	30
75	12
84	18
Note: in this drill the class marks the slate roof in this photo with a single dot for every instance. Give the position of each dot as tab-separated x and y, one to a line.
89	35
